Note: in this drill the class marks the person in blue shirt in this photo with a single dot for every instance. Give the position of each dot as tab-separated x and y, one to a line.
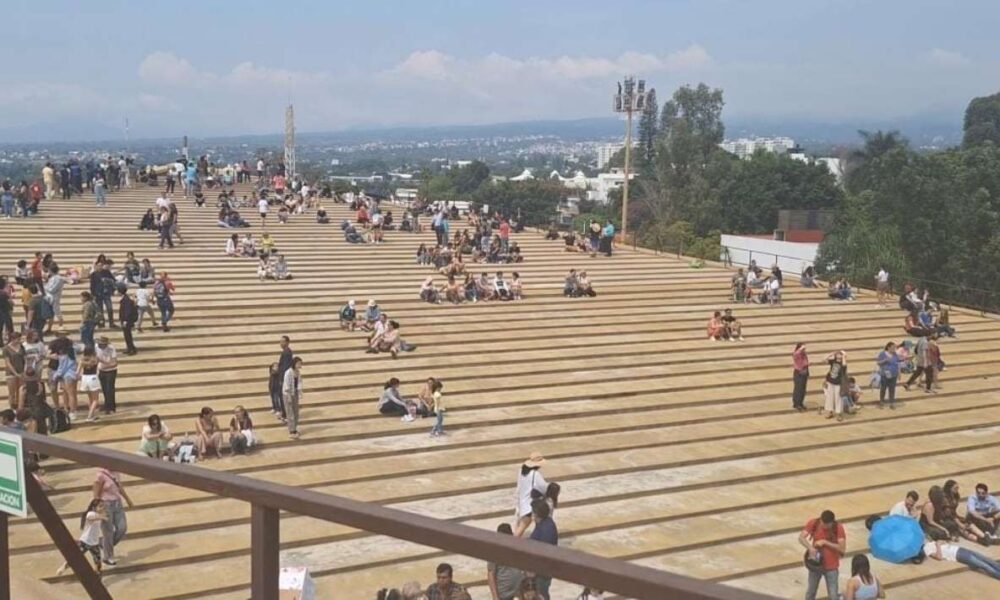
888	364
191	177
545	531
984	510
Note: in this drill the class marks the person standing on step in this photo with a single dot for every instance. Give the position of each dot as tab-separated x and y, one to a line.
89	314
53	293
162	290
285	360
102	288
545	531
108	489
800	376
924	366
143	301
291	390
833	404
825	542
107	372
888	366
128	312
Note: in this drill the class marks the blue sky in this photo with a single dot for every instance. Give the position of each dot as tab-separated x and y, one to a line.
213	67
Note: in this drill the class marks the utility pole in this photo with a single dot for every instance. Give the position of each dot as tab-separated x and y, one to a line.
629	99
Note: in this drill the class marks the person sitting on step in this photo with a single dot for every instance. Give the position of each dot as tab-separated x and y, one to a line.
716	328
733	326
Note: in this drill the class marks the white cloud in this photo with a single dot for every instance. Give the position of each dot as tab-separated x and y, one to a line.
168	69
247	73
49	99
947	58
425	64
434	65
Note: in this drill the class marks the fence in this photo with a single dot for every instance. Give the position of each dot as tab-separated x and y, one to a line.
979	299
266	499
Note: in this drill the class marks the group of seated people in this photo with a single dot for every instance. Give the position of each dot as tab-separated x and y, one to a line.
392	403
351	235
744	283
577	284
928	321
384	333
273	266
158	442
724	326
473	289
840	289
246	247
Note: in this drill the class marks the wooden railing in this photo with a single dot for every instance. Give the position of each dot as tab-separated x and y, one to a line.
266	499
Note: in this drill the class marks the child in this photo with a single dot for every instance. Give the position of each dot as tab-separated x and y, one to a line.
267	245
264	268
90	538
515	286
851	396
438	429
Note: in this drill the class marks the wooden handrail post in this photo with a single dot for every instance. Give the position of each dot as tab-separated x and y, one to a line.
265	542
4	558
67	545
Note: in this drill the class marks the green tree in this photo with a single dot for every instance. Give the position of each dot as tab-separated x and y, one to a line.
982	121
467	179
865	165
648	131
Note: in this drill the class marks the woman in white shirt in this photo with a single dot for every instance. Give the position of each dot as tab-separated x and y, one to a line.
232	245
955	553
529	478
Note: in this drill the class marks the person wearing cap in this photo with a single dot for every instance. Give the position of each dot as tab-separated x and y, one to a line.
349	316
372	314
107	372
528	480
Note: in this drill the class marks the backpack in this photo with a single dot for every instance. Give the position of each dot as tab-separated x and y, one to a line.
159	290
60	421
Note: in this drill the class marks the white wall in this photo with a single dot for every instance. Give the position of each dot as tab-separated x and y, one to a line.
792	257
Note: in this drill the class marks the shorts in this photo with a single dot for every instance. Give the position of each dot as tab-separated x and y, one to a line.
56	302
263	215
90	383
882	286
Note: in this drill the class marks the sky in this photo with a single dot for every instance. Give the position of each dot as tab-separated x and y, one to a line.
213	67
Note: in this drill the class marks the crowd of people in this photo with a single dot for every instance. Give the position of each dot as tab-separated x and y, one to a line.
940	518
593	239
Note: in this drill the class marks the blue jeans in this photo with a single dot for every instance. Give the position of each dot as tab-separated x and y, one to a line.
166	309
977	561
439	423
104	303
101	196
87	333
888	384
832	582
8	206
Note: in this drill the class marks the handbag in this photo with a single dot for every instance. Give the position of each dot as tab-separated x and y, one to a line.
813	558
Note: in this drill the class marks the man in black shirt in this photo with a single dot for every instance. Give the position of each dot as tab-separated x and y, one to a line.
734	329
284	363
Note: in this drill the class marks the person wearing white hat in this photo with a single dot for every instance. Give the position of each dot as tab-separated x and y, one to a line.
349	316
371	316
529	479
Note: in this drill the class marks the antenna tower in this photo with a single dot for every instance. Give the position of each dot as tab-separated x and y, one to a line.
290	141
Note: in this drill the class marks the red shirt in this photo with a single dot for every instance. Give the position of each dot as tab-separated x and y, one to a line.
36	269
818	531
504	230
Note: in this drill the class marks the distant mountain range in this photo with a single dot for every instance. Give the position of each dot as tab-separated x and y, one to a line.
922	130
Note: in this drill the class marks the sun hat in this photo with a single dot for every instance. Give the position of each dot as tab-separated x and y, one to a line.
371	303
535	460
351	303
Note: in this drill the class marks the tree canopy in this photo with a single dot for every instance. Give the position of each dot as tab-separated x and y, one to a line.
982	121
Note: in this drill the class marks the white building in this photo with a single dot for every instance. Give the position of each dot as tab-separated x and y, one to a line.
597	188
834	165
745	147
605	152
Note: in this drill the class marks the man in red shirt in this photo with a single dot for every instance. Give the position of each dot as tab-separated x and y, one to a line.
824	537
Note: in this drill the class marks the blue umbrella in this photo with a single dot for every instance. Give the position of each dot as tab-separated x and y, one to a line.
896	539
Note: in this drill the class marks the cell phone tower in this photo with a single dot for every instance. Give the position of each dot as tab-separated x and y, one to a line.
290	142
